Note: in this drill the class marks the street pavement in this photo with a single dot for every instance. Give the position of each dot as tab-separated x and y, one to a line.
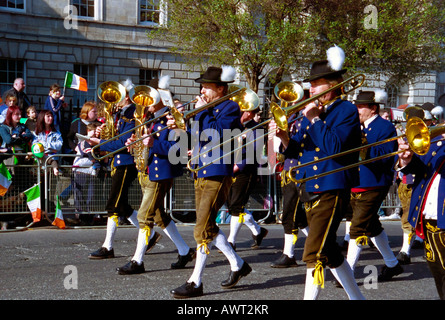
46	263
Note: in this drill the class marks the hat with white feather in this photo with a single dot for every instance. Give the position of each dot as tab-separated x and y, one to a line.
330	68
162	83
223	75
378	96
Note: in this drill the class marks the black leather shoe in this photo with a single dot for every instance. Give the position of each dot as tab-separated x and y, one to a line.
235	276
284	262
183	260
259	238
187	290
131	267
153	241
387	273
403	258
102	253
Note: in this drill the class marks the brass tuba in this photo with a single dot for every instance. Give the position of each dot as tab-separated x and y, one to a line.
110	92
142	97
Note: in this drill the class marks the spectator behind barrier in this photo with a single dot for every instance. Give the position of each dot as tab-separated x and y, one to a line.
88	114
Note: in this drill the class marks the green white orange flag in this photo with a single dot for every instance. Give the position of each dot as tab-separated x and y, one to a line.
73	81
58	219
5	179
33	202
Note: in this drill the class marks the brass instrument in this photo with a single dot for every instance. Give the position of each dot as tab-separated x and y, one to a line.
179	119
288	92
112	93
142	97
419	137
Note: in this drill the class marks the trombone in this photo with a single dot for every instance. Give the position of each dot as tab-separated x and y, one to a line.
287	92
179	118
413	110
419	137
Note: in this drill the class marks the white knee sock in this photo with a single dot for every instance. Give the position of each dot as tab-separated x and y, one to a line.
141	246
345	276
172	232
353	253
252	224
234	259
200	263
311	290
381	243
134	219
305	231
347	228
111	231
289	246
235	227
407	243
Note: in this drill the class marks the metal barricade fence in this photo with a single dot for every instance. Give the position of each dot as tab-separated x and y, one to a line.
88	194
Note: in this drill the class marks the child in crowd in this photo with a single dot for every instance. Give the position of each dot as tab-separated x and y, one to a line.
54	103
51	138
31	121
85	168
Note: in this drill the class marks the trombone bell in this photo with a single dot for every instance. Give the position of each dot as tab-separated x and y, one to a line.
247	100
288	92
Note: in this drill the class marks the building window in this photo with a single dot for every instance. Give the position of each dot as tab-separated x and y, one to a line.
145	75
89	9
88	72
10	69
393	96
13	5
152	12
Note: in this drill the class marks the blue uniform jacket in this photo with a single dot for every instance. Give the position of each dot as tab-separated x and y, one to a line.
125	122
424	167
294	126
338	130
379	173
159	166
212	124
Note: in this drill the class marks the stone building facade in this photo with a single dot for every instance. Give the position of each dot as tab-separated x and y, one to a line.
42	39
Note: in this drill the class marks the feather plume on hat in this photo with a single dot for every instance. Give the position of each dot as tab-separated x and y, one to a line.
228	74
164	82
380	96
128	84
336	58
437	111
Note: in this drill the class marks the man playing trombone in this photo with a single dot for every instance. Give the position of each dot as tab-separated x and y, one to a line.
329	127
212	184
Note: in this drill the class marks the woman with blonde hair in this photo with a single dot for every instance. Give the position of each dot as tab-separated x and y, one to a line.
88	114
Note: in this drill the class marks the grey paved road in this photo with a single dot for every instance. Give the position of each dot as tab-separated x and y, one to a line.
51	264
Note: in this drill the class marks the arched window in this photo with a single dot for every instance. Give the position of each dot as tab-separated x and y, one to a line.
393	95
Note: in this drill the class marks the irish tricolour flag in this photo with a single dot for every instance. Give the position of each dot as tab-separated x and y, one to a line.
58	219
5	179
73	81
33	201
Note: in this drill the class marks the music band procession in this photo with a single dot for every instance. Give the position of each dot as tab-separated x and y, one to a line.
339	159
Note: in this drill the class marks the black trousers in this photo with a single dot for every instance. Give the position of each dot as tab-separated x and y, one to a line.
435	254
294	216
240	192
121	181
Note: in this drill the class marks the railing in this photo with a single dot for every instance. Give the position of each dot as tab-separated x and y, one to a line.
265	200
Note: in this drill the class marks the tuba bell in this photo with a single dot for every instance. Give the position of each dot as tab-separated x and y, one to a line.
112	93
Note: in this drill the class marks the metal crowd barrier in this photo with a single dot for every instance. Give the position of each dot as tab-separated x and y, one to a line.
265	200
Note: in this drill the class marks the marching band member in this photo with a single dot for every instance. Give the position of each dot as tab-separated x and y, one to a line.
375	180
156	181
427	207
326	129
294	217
123	175
245	176
212	184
